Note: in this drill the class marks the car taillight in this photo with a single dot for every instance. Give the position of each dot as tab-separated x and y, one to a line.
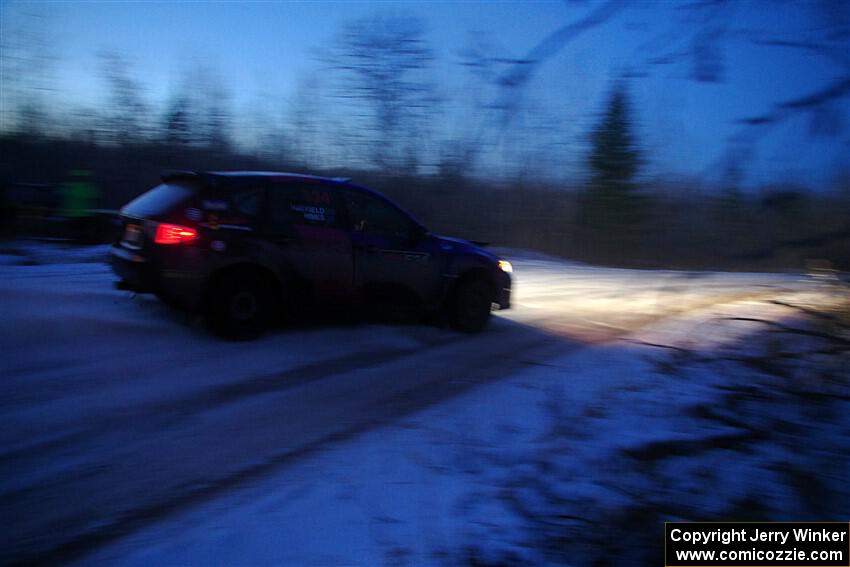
174	234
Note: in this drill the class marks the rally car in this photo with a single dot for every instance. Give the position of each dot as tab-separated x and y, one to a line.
243	247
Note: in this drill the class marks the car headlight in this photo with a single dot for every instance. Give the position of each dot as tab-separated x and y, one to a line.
505	266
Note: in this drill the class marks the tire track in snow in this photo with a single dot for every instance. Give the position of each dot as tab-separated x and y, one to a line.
410	380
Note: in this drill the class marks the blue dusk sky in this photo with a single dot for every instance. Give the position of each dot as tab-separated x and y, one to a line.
264	49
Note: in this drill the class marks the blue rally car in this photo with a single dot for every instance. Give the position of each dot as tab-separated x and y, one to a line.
243	247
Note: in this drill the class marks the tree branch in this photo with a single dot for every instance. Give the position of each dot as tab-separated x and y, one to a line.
522	69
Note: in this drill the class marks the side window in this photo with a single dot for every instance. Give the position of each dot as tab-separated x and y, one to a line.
246	202
371	215
301	204
234	203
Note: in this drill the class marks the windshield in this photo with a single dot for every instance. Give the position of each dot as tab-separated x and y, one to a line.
158	200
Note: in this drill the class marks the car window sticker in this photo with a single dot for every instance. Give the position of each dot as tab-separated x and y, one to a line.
214	205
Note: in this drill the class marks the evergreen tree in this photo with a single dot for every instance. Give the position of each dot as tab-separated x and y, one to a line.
613	208
614	158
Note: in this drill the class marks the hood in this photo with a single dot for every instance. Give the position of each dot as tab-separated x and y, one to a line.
451	244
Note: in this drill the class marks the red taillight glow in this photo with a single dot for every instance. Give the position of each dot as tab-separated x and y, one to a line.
174	234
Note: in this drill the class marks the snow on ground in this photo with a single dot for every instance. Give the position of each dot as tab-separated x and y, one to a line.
410	493
575	460
671	402
40	252
544	459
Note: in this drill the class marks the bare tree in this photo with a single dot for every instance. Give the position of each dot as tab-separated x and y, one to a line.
27	62
304	117
211	117
126	113
268	133
199	111
696	37
176	127
383	67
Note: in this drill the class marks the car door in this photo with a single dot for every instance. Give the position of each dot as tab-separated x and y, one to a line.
391	250
305	224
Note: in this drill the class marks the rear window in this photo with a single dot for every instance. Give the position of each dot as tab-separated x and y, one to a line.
158	200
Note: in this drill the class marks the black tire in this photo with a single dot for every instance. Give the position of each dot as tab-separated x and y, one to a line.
471	304
241	305
170	300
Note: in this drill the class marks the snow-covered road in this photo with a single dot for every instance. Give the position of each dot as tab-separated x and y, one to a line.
118	414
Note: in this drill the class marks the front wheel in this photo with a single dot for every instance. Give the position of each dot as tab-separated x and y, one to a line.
241	306
471	305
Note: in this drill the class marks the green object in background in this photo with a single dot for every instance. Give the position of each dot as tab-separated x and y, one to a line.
79	195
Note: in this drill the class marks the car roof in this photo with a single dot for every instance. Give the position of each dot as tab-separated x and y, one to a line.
277	175
281	176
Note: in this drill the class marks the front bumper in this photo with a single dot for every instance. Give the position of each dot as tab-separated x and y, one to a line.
503	296
504	299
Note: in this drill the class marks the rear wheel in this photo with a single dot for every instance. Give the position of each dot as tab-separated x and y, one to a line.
241	305
171	301
471	305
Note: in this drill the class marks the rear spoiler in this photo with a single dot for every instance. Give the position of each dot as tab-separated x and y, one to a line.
170	174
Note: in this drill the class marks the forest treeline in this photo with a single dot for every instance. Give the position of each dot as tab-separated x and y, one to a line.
373	112
677	224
